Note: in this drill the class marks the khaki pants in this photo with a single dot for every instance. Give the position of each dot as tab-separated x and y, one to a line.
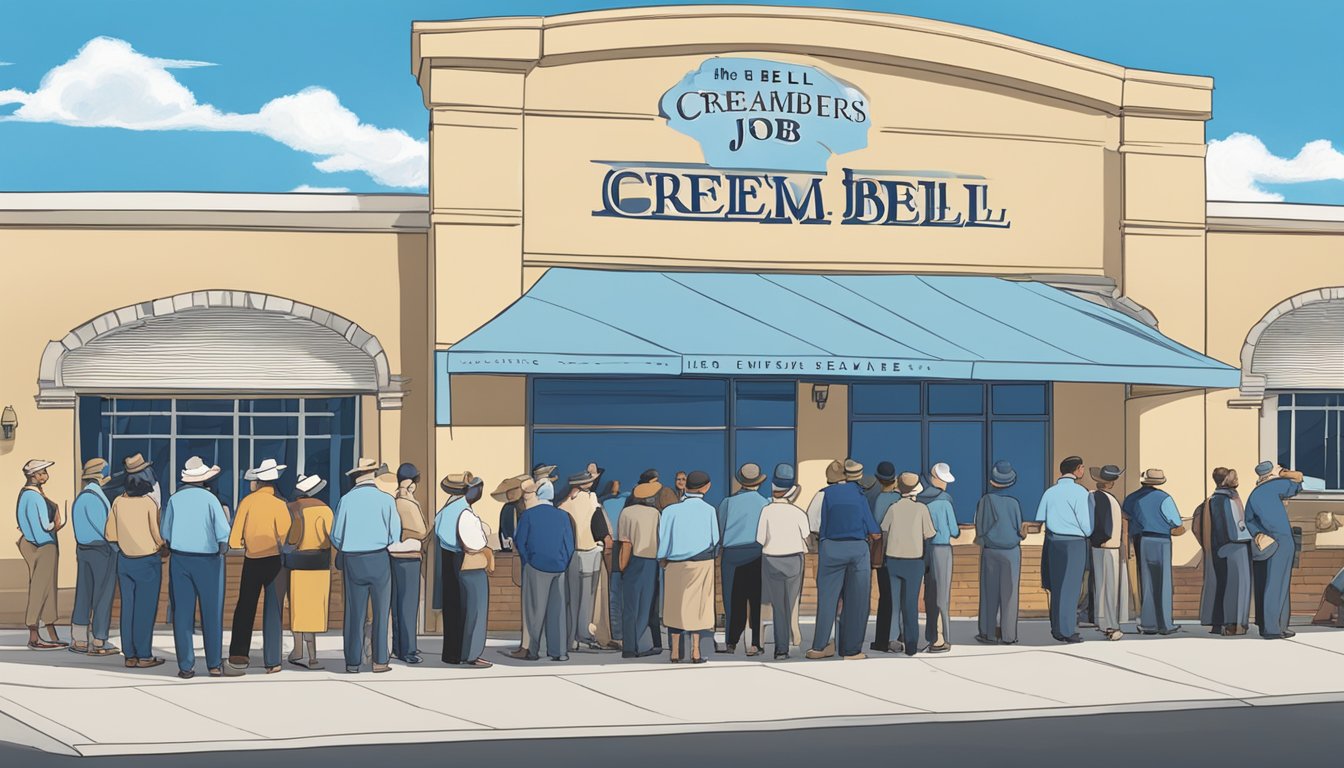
42	562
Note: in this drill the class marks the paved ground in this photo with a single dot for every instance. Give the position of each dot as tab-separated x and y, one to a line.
63	703
1276	736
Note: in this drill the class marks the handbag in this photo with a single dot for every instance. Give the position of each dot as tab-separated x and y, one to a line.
877	551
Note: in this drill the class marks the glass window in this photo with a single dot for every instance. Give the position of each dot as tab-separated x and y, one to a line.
624	454
270	406
1019	399
141	406
885	399
1025	444
1311	436
765	403
900	442
205	425
1285	433
764	448
1316	400
961	445
956	399
205	406
670	402
142	425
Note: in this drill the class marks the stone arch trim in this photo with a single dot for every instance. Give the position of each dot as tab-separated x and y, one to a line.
52	392
1252	390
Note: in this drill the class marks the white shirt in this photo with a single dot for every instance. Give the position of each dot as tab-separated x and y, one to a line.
814	513
472	533
783	529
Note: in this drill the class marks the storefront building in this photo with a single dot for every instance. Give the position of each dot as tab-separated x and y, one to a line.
688	238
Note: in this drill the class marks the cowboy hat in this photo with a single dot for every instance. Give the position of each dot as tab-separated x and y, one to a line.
1107	474
309	485
510	489
366	466
942	472
93	469
268	471
196	470
853	470
908	484
456	484
1153	477
543	472
646	490
1002	474
136	463
750	475
37	465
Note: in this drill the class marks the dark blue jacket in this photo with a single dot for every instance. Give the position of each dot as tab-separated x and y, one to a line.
1265	512
545	539
846	514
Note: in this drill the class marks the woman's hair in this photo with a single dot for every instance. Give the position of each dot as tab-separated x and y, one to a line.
1230	479
140	483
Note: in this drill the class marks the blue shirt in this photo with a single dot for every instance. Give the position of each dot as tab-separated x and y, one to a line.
545	538
687	529
739	517
89	514
445	524
613	507
845	513
194	522
882	502
1265	512
366	521
34	517
1066	508
998	521
1151	511
944	515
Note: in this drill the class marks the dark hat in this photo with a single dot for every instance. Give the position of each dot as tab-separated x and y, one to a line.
696	480
581	478
1107	474
1002	474
1264	468
886	471
750	475
648	476
407	471
784	476
543	472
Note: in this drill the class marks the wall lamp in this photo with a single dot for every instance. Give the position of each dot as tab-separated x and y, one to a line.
819	394
9	421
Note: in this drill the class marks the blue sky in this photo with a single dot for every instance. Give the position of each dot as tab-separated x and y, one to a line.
1276	68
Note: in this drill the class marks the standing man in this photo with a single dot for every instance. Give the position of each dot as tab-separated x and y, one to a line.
906	527
581	581
688	538
197	532
463	490
478	562
1066	508
1153	516
544	476
544	542
835	473
844	566
366	524
260	526
887	494
998	531
938	560
782	533
613	502
739	517
1272	549
1230	543
637	535
1107	532
406	557
96	560
39	520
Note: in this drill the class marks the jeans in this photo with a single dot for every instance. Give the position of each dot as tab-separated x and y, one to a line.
843	569
615	605
1000	572
1065	556
1155	583
450	594
475	585
193	578
639	582
368	579
259	573
546	611
742	592
95	586
906	575
141	579
405	605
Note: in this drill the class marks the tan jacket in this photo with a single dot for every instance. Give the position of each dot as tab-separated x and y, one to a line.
413	527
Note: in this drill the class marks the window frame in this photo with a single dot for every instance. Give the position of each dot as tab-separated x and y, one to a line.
1292	410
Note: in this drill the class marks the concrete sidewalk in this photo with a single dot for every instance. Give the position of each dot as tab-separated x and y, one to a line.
61	702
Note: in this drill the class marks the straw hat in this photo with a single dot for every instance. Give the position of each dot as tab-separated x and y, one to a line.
510	489
366	466
908	484
196	470
93	469
750	475
1153	477
457	484
853	470
835	471
135	463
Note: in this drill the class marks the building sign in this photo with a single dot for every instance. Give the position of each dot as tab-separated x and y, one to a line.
704	365
767	130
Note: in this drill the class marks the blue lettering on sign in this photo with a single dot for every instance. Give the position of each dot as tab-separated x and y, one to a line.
753	113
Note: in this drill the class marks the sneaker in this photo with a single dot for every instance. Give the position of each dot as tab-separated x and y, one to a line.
414	658
520	654
781	655
560	658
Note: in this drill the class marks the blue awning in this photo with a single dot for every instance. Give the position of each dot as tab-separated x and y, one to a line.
598	322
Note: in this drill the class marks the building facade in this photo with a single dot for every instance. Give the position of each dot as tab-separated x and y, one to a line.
687	238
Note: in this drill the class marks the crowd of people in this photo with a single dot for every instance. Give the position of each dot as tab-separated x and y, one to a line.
612	570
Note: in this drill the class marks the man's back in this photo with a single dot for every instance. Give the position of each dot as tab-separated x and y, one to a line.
1066	508
545	538
1265	511
845	513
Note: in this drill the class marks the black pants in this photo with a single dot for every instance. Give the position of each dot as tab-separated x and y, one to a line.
258	573
454	613
655	615
882	635
742	592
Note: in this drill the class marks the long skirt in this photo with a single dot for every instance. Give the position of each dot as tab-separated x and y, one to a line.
309	600
688	602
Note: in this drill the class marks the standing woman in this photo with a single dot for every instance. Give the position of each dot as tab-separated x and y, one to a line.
133	525
39	520
688	539
1231	545
310	569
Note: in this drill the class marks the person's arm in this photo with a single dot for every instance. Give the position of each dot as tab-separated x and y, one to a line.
761	526
627	545
154	526
166	527
950	516
520	535
814	512
926	523
870	525
1015	517
470	533
110	529
664	537
337	525
1083	514
981	519
29	513
393	521
723	517
1170	513
714	537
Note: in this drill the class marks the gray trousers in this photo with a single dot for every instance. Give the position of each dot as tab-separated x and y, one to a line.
1155	584
1234	586
368	582
843	570
781	584
475	586
544	611
938	593
1000	573
1106	588
581	582
95	586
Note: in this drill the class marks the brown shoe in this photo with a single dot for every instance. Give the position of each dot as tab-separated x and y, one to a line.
147	663
520	654
382	667
860	656
812	654
480	664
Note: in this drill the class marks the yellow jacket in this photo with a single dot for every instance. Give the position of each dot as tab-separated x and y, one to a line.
261	524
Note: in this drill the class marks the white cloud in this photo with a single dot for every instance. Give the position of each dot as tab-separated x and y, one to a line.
1238	165
109	84
327	190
